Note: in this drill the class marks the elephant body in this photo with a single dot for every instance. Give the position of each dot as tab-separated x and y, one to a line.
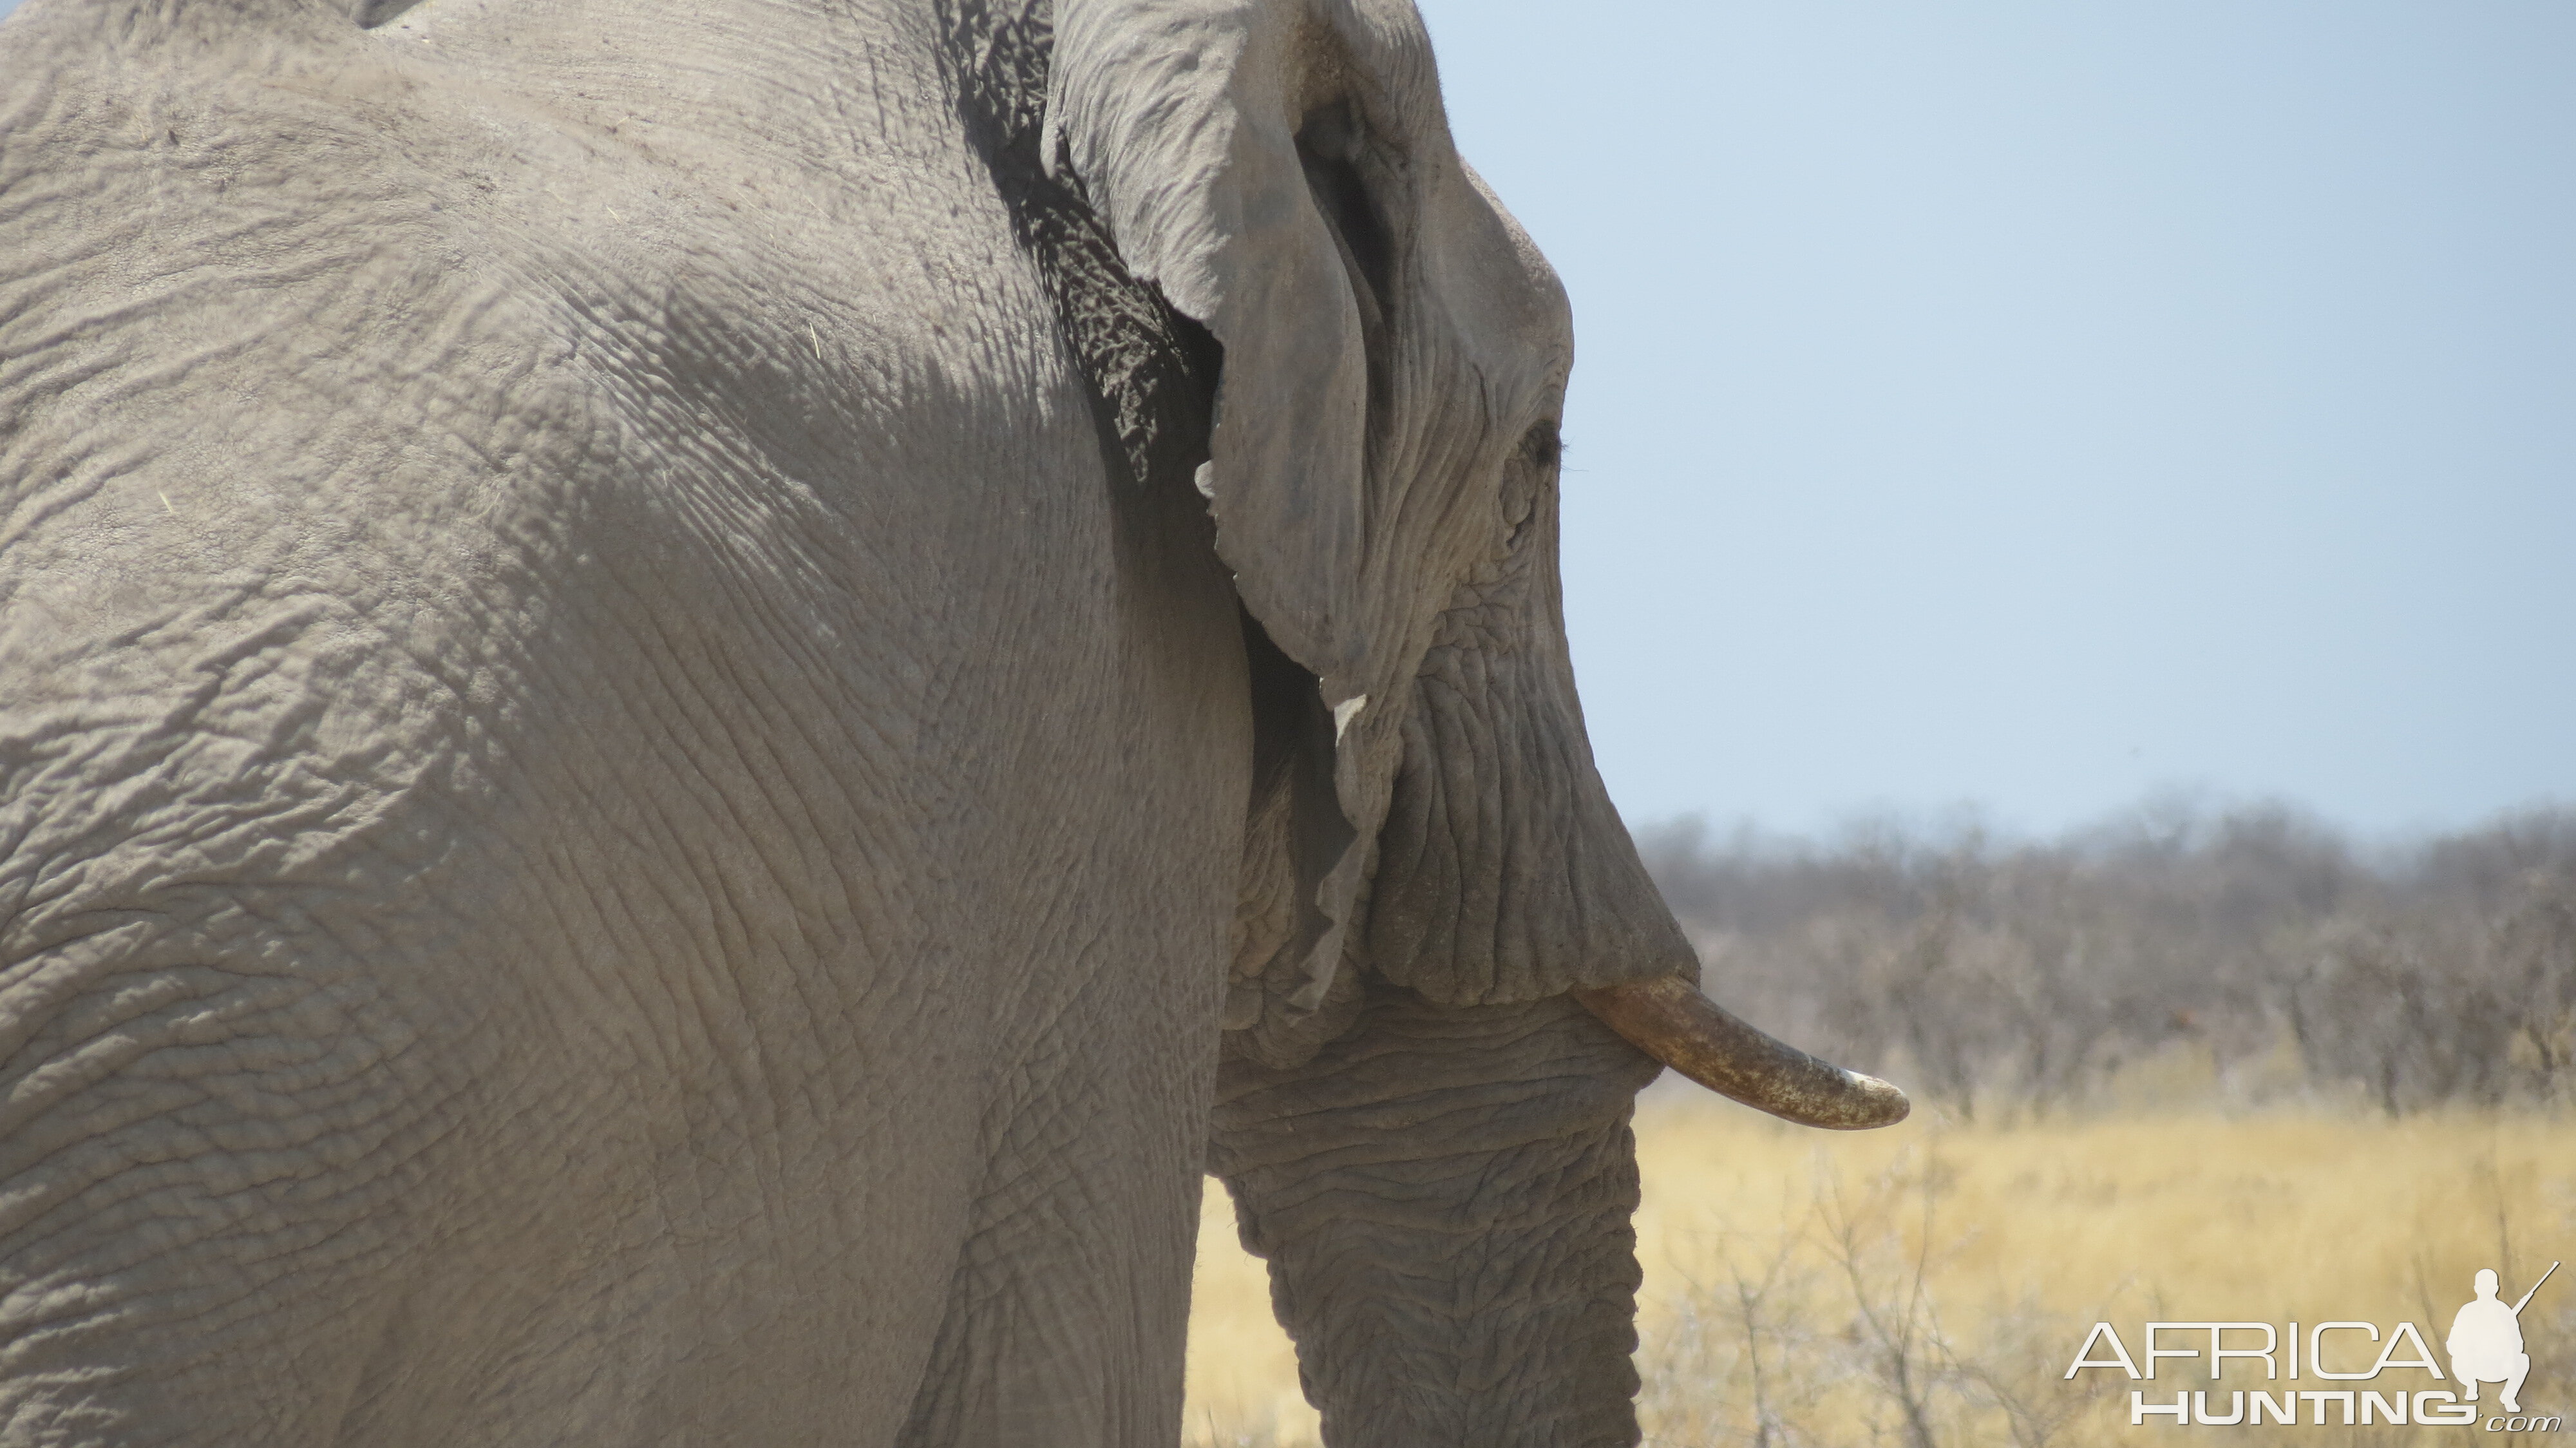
697	697
592	912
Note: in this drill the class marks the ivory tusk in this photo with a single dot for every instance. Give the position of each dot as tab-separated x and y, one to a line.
1671	1021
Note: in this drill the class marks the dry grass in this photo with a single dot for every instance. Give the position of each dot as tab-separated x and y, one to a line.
1243	1374
1927	1286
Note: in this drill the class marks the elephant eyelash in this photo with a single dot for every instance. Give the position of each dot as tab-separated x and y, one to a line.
1543	445
1541	448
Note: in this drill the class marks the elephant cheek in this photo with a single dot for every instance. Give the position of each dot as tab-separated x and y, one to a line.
1504	873
1443	1195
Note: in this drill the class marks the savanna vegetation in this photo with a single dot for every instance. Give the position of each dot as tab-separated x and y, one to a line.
2192	1065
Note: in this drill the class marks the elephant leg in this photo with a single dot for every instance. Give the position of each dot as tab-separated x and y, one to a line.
1069	1309
202	1166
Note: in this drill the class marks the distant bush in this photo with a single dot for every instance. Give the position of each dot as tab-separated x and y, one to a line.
2025	975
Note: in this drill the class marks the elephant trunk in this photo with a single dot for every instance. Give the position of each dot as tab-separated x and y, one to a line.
1668	1019
1443	1194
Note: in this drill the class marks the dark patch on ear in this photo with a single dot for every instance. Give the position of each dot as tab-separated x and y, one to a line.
371	13
1152	371
1152	375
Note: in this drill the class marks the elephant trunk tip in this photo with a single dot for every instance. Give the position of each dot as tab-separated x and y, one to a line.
1668	1019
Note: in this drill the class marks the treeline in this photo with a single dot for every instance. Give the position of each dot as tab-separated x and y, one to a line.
1992	974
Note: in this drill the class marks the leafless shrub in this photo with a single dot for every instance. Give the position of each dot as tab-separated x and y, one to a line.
2038	1408
1896	1326
1735	1365
2023	976
1829	1332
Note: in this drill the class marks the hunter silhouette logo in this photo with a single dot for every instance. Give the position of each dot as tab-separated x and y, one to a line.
2485	1346
2486	1341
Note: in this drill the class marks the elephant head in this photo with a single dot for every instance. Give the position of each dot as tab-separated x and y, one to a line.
507	889
1445	931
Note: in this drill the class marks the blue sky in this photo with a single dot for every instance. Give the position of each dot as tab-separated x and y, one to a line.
2035	405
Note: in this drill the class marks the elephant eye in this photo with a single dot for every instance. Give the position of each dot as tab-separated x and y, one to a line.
1542	444
1528	475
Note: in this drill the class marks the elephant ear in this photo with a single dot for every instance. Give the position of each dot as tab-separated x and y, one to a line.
1181	120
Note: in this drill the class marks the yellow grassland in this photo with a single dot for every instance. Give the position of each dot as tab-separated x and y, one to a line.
1928	1285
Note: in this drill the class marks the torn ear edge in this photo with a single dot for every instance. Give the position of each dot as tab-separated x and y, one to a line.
1180	118
1182	121
1288	989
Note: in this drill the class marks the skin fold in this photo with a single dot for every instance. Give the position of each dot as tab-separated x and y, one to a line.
693	699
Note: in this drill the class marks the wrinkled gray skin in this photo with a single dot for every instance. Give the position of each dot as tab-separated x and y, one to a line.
640	804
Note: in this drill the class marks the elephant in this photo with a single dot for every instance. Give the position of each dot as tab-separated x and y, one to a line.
696	699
